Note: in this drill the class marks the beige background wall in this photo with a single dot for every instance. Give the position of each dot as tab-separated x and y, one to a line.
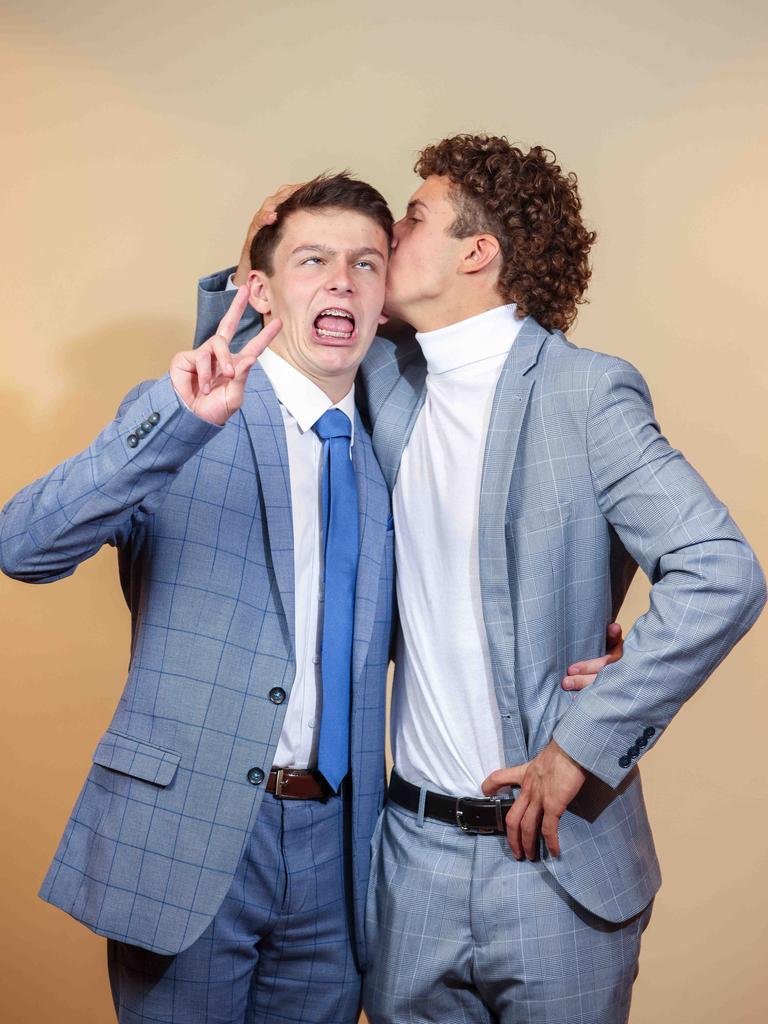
137	140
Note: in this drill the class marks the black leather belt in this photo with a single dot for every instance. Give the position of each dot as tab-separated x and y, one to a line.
297	784
477	815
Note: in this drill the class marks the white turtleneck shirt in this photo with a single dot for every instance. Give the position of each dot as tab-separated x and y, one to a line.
446	728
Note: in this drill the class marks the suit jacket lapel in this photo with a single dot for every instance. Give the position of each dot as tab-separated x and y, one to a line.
373	527
396	420
510	403
264	420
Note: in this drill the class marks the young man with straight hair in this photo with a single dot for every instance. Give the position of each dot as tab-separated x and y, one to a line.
221	841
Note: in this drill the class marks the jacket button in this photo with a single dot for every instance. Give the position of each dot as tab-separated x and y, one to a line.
648	732
140	430
634	750
146	426
625	761
132	440
277	695
641	741
255	776
154	418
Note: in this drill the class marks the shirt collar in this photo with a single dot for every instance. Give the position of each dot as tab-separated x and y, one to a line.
302	398
488	334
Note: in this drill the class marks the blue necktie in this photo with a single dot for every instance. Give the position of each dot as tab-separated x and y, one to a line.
340	547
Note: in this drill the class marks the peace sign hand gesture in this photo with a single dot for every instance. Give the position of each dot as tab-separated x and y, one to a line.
210	379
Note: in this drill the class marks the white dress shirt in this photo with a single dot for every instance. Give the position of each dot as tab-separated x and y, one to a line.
446	728
302	404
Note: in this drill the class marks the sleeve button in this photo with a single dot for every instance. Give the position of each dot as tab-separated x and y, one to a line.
648	732
625	761
132	440
154	418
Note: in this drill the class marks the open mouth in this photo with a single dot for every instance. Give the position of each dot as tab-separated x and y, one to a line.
335	323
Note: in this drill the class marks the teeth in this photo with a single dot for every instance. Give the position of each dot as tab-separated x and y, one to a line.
336	312
333	334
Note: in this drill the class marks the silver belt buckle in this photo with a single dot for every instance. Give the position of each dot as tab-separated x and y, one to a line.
279	783
476	830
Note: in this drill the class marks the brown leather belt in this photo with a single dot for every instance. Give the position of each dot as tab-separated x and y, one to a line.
477	815
297	784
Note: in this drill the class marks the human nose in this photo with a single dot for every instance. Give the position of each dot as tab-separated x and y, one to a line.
340	279
397	230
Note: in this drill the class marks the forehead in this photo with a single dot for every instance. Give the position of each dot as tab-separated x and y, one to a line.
340	230
434	193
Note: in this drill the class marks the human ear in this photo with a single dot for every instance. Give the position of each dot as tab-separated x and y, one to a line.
259	292
484	250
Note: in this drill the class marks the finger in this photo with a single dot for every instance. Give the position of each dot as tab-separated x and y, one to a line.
504	777
223	357
591	666
229	322
265	337
549	826
203	369
578	682
242	368
529	829
613	631
512	823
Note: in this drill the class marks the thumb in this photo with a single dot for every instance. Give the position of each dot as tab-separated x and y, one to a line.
503	777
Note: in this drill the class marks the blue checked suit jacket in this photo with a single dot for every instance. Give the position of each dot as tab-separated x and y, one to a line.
201	517
579	487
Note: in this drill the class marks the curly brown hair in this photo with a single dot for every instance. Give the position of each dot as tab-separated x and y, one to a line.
526	202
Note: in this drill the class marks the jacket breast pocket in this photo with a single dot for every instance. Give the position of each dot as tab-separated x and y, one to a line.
538	535
133	757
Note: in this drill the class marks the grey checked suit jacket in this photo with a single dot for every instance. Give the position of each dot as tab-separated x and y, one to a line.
201	517
579	487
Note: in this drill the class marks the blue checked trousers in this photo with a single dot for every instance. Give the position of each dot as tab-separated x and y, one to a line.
279	949
459	932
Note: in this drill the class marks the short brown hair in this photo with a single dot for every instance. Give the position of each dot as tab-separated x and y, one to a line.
526	202
326	192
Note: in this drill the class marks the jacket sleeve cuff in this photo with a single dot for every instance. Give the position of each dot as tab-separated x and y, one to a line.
610	758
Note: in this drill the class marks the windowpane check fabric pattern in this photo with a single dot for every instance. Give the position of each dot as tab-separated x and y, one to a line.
201	518
340	555
280	947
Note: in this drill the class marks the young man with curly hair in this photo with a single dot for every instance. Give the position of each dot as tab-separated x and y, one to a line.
513	869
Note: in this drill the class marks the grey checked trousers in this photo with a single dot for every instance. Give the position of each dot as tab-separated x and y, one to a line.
459	931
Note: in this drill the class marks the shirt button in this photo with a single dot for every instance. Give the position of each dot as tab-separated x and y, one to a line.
255	776
316	660
277	695
311	723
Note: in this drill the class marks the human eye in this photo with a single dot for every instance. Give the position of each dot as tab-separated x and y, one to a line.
366	264
311	260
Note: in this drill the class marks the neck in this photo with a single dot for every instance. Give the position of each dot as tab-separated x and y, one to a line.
452	310
335	386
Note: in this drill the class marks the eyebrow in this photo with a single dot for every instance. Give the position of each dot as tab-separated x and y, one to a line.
416	202
326	250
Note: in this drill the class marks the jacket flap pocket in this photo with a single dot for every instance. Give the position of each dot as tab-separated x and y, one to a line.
134	757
